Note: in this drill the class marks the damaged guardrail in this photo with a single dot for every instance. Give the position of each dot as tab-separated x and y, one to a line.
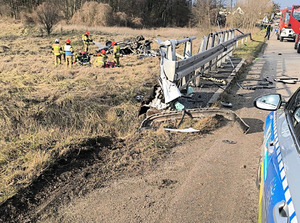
177	71
199	113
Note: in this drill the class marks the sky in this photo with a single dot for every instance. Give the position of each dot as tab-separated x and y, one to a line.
283	3
287	3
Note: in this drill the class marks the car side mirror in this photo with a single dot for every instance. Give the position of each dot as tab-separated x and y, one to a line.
269	102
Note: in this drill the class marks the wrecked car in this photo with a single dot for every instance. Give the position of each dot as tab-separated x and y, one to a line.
138	45
278	172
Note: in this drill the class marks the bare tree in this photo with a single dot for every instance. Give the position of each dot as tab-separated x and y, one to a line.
253	12
205	13
48	15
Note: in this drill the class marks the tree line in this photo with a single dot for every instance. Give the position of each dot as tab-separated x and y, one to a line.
135	13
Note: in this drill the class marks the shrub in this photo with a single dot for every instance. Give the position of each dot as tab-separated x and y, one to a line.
47	15
93	14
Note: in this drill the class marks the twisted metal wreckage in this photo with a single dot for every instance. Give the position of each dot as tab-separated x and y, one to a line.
138	45
180	72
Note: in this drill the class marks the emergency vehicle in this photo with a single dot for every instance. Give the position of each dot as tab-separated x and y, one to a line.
278	173
285	26
295	22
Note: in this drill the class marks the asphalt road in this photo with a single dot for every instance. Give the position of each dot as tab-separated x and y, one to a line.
212	179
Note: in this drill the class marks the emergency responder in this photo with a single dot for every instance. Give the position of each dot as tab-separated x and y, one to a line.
78	56
101	59
268	31
57	51
86	41
69	53
116	53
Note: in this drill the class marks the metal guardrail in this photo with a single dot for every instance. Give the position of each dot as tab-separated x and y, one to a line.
177	71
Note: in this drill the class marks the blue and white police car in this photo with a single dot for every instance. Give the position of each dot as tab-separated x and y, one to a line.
278	176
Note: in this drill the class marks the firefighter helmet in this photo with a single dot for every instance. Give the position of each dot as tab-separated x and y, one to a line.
68	41
83	52
113	42
98	54
87	33
103	51
57	41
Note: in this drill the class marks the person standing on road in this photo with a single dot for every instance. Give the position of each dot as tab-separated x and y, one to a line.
69	53
268	31
116	53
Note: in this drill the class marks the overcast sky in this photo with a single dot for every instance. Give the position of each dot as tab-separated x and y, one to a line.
287	3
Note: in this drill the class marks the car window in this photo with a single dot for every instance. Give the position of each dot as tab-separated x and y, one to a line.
297	115
293	111
287	17
296	13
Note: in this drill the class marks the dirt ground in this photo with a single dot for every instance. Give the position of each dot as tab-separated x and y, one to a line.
199	182
211	179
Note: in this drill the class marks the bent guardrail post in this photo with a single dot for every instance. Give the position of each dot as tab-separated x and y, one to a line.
187	52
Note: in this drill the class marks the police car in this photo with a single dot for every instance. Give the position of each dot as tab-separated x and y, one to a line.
279	172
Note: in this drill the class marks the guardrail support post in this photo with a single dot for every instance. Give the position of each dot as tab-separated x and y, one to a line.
231	37
188	52
212	45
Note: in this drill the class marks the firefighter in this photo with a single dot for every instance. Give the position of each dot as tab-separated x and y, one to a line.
69	53
86	41
101	59
116	53
57	51
78	56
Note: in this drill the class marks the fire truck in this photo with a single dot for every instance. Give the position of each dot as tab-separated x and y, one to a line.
295	24
285	26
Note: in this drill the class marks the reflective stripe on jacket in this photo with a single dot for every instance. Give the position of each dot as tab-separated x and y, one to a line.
56	49
68	50
116	51
101	59
86	39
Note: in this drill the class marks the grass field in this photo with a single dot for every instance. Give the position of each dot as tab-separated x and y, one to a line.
46	109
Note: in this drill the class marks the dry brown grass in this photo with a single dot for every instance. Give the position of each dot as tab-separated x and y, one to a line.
45	109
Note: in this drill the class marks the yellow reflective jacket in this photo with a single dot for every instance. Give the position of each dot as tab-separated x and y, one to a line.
86	39
116	51
56	49
101	59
